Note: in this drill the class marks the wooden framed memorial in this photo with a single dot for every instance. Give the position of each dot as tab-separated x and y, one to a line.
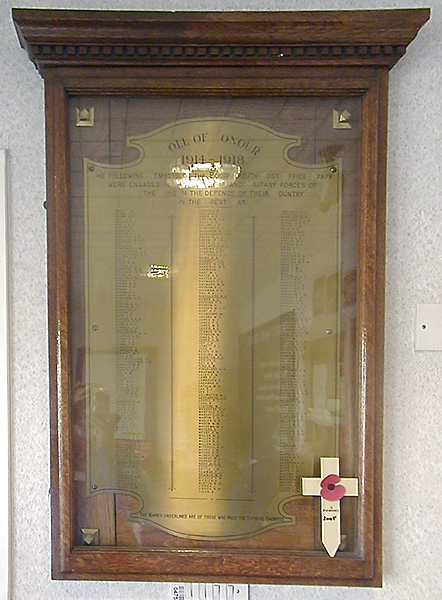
216	208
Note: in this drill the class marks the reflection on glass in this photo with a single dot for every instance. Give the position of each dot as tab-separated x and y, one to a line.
202	176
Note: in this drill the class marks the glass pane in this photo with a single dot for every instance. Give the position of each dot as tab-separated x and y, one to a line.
214	256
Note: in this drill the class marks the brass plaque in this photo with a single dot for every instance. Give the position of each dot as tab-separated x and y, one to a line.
212	318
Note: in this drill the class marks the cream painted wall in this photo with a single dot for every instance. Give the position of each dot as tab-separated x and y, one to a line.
413	388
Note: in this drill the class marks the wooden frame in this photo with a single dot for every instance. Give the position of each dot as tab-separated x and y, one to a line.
220	54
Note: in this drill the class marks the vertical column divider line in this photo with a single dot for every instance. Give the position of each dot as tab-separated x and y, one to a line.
253	357
171	358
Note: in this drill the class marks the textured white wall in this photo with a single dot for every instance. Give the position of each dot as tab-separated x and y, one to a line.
413	389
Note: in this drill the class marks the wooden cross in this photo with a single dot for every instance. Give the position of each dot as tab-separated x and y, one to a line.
331	488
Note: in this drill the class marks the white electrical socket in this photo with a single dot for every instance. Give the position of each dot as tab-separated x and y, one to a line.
429	327
209	591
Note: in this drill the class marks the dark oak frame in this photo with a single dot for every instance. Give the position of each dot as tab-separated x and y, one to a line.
235	54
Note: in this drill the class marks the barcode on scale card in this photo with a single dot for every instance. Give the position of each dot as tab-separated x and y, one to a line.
209	591
178	592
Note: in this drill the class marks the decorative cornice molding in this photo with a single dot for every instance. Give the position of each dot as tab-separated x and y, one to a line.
114	38
93	54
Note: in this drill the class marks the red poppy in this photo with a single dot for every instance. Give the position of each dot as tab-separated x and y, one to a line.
329	489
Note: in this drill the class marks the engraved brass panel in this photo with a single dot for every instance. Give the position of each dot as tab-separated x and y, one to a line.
212	328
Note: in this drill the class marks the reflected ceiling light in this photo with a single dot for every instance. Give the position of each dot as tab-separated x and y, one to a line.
158	272
203	175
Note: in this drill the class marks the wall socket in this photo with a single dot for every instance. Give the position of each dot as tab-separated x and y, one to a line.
429	327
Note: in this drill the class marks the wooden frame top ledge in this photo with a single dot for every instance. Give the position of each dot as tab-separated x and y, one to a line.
87	38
